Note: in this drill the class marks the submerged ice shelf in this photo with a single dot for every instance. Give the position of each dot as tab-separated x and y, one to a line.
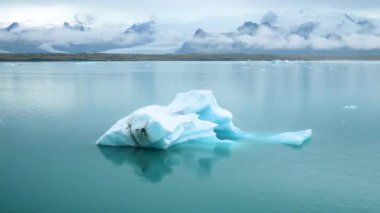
192	116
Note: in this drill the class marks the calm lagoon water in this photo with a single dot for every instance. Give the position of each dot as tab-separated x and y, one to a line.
52	113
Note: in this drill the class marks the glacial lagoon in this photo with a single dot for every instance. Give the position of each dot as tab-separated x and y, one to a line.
52	113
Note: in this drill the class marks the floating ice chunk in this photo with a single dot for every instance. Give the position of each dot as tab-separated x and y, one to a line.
277	62
292	138
350	107
192	116
86	62
10	64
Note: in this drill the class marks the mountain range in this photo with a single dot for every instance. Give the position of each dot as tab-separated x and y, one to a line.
345	35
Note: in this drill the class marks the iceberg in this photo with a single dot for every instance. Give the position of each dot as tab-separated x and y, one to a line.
292	138
192	116
350	107
11	64
86	62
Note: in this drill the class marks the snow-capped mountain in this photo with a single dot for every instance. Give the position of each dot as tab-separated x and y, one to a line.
200	33
12	26
248	28
273	33
348	35
73	38
78	26
305	29
142	28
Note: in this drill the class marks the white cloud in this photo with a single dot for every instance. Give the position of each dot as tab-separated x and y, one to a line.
60	39
54	11
359	41
333	31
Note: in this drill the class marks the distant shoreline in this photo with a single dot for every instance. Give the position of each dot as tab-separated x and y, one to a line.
5	57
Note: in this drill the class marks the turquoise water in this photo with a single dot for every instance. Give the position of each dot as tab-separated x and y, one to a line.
52	113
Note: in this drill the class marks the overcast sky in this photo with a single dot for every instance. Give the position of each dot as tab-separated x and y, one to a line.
168	11
177	20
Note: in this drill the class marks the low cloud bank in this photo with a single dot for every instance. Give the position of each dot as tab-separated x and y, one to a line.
73	38
346	33
274	33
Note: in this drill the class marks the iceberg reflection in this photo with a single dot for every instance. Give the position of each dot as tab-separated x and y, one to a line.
153	165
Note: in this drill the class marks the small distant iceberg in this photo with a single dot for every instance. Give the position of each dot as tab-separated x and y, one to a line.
277	62
192	116
292	138
86	62
350	107
11	64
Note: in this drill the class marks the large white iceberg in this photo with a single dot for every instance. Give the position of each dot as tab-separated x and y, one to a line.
194	115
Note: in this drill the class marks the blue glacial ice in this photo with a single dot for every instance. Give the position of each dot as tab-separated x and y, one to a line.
192	116
291	138
86	62
350	107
